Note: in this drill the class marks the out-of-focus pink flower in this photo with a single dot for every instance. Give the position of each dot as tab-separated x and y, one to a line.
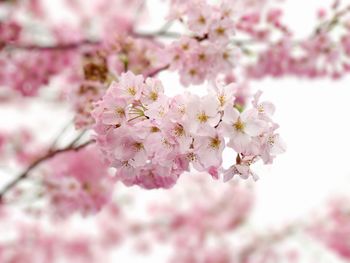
78	181
334	228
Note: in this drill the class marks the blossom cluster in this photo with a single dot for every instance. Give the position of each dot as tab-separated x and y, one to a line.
26	239
100	65
152	139
19	145
77	181
317	57
108	68
334	228
206	210
278	52
9	31
207	52
27	71
89	86
117	224
209	223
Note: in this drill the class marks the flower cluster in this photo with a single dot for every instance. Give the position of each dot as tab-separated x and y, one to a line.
152	139
27	71
19	145
334	229
77	181
324	53
90	85
9	31
317	57
207	52
207	210
101	65
141	56
26	239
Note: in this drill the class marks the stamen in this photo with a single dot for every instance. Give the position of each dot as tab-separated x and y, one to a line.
131	91
239	125
215	143
202	117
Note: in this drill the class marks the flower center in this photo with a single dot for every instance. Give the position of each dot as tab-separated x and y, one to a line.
202	57
239	126
220	31
132	91
202	117
191	157
225	55
87	187
202	20
215	143
179	130
185	46
153	96
193	72
261	109
138	146
222	100
154	129
120	111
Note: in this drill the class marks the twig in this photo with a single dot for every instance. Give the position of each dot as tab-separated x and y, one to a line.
49	155
162	32
59	135
77	139
158	70
327	26
157	34
62	47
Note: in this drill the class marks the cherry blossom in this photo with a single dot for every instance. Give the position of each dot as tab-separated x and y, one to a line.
104	66
150	145
79	181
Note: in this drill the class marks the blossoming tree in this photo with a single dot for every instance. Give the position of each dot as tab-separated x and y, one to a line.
102	61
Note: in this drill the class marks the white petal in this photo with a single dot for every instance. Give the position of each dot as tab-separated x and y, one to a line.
249	115
240	142
231	114
109	118
268	107
279	146
254	128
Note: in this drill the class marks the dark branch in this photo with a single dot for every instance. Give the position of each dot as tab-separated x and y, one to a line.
158	70
48	156
59	47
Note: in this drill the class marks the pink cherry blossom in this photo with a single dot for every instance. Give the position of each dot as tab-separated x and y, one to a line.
203	114
105	64
241	128
221	30
77	181
199	17
151	139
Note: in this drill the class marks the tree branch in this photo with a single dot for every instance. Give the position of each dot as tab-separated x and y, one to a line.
330	24
59	135
59	47
158	70
47	156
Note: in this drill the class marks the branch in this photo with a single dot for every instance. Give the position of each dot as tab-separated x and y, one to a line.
157	34
59	47
158	70
162	32
327	26
49	155
59	135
